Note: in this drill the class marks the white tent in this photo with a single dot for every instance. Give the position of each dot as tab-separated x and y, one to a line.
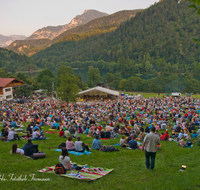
99	91
176	94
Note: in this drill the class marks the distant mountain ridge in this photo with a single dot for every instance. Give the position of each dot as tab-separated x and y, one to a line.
51	32
7	40
107	23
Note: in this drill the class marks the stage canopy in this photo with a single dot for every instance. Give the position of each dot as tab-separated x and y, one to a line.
99	91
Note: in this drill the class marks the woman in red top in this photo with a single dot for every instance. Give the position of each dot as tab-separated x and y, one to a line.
61	133
162	137
166	136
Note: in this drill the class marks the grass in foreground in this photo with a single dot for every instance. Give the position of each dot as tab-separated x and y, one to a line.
129	167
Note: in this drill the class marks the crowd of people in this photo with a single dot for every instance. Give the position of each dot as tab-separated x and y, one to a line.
131	119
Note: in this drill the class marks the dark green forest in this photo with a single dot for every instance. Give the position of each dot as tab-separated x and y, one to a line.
13	62
156	40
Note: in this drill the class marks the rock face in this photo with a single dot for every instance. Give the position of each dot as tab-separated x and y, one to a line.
51	32
7	40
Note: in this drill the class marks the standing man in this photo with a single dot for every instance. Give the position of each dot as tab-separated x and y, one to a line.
150	143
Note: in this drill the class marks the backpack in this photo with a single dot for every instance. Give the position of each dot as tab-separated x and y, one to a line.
60	169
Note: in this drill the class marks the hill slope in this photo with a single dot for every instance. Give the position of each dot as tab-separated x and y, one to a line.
158	39
30	47
12	62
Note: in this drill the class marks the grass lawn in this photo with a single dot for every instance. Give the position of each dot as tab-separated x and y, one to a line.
129	167
149	95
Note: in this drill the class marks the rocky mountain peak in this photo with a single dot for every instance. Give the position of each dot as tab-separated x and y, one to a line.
51	32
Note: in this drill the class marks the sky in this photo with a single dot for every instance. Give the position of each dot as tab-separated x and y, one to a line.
24	17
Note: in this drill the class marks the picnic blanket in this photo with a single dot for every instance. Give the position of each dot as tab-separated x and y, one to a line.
19	130
117	144
76	153
53	129
51	132
86	173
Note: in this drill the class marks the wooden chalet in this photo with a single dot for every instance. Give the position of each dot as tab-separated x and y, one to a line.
8	87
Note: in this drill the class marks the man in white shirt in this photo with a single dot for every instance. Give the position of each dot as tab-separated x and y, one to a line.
12	135
80	146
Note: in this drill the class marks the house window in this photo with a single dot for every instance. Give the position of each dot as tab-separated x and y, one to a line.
7	89
9	96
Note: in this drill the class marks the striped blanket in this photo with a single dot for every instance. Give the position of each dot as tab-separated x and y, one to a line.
86	173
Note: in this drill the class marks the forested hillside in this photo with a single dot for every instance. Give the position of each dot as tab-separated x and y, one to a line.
156	40
12	62
30	47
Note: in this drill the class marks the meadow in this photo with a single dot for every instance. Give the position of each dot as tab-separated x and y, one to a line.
129	167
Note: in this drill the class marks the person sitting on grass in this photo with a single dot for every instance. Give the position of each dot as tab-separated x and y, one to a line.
173	134
162	137
194	134
147	130
72	129
166	136
16	150
67	134
108	148
123	141
132	143
87	130
12	135
91	132
5	133
30	148
70	146
80	146
64	159
80	131
29	129
61	133
36	135
96	143
182	143
140	136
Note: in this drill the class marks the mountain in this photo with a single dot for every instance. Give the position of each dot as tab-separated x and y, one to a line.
117	17
103	24
7	40
156	40
12	62
51	32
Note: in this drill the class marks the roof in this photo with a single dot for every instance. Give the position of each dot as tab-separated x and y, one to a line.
98	90
176	94
5	81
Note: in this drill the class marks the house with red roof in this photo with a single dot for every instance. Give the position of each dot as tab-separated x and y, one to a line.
8	87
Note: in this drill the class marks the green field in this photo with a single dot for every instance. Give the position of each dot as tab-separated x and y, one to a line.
129	167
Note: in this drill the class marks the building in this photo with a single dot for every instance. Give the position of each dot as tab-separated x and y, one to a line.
8	86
